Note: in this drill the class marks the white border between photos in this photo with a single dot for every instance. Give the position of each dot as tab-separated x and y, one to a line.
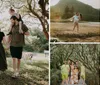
62	42
49	42
74	42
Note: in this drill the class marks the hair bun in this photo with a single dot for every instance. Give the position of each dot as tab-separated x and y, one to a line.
11	9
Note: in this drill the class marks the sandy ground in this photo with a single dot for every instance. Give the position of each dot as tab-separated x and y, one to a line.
57	30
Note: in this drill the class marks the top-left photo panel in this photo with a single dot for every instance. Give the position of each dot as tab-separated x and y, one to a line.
24	42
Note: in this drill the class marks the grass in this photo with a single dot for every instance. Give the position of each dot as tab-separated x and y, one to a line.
32	73
75	37
88	32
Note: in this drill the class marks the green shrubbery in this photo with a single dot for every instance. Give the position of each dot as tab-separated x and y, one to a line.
87	55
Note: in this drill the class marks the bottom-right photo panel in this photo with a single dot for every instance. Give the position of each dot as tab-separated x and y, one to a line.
74	64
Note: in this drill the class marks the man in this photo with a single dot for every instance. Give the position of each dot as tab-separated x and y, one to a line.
83	72
65	72
17	41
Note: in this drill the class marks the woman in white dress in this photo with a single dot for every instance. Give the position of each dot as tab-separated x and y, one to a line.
76	72
72	73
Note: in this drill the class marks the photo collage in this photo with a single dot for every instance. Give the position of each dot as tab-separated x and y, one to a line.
49	42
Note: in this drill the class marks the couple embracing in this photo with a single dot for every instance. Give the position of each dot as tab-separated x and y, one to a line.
15	40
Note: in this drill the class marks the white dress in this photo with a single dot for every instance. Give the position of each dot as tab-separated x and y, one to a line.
76	18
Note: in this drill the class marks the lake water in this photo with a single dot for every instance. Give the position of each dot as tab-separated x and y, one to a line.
91	23
83	23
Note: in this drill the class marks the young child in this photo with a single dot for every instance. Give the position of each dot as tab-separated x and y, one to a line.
76	19
13	13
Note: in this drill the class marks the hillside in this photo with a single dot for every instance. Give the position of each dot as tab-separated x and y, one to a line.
89	13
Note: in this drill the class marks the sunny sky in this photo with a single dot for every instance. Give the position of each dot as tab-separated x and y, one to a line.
93	3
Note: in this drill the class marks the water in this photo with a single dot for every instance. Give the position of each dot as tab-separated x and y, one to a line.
91	23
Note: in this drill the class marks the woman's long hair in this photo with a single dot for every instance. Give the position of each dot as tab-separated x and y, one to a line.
81	16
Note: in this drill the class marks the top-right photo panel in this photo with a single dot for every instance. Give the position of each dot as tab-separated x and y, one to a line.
75	20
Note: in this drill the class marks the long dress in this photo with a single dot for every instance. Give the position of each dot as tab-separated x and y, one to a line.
3	63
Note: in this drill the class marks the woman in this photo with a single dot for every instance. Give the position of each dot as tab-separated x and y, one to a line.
72	73
3	63
76	73
17	41
69	75
76	19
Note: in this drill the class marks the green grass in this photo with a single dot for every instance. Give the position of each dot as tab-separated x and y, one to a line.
31	73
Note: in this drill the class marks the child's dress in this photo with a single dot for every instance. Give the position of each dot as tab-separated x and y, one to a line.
76	18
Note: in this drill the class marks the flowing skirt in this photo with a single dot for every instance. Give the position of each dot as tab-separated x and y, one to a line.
3	62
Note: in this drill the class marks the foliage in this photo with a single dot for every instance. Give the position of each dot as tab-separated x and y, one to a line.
68	13
87	54
32	8
55	77
38	44
33	15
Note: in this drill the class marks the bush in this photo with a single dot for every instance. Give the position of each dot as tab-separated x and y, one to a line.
55	77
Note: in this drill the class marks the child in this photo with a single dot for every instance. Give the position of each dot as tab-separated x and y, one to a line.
12	13
17	41
76	19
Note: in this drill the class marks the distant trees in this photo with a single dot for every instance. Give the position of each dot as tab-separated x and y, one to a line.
38	43
87	54
89	13
68	13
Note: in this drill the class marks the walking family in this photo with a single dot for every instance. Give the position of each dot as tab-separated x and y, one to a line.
15	40
72	73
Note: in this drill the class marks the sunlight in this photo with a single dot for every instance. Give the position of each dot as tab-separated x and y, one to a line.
93	3
54	2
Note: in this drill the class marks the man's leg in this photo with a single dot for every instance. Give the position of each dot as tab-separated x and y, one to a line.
14	64
69	80
18	64
18	67
63	79
14	67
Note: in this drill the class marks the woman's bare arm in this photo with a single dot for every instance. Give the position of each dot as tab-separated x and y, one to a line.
4	40
9	39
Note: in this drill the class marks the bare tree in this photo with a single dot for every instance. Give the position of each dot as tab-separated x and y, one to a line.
34	8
